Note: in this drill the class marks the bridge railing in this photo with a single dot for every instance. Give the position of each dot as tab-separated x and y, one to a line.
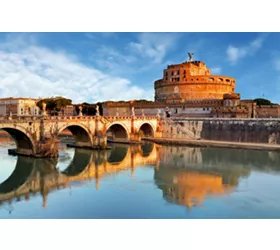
34	118
19	118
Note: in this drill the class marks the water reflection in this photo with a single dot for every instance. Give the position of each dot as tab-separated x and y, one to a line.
187	176
32	176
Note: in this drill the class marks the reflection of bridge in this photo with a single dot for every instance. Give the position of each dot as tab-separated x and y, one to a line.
186	176
36	136
41	175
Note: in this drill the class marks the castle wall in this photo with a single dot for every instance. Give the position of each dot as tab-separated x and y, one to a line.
235	130
267	111
193	90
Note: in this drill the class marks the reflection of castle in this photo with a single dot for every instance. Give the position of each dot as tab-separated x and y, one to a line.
32	176
189	89
189	188
187	176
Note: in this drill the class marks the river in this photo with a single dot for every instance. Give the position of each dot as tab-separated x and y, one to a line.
141	181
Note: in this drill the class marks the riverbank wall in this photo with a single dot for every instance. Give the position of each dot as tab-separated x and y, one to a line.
232	130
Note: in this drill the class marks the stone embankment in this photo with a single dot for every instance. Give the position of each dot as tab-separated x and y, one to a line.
216	144
258	134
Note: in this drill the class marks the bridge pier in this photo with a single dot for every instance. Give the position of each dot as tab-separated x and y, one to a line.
135	137
100	141
46	148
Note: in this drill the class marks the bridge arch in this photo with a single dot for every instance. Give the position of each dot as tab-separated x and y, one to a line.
146	129
24	142
147	149
118	154
19	176
81	160
80	133
117	131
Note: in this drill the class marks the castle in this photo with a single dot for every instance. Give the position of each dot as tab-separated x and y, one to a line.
189	89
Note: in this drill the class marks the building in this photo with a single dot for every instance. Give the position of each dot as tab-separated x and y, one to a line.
189	89
18	106
191	80
186	89
68	110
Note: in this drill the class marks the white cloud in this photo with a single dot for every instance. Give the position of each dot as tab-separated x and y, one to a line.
234	53
33	71
216	71
110	58
153	45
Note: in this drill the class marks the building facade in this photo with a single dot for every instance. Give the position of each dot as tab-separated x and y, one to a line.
68	110
18	107
191	80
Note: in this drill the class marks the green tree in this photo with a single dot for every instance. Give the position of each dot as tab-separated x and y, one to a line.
54	104
262	101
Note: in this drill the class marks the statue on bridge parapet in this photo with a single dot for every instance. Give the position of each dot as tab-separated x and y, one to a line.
44	105
132	112
158	113
143	114
97	110
80	111
117	113
10	116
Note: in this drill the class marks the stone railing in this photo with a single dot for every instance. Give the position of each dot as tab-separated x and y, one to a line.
34	118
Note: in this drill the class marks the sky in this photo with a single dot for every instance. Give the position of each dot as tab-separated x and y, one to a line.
93	67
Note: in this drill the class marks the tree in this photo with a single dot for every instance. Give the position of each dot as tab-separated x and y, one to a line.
54	104
262	101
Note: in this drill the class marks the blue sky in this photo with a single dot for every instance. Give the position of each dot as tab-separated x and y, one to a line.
122	66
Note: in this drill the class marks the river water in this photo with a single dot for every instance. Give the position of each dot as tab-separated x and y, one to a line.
144	181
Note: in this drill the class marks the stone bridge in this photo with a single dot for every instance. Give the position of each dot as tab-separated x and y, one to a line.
38	136
33	176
